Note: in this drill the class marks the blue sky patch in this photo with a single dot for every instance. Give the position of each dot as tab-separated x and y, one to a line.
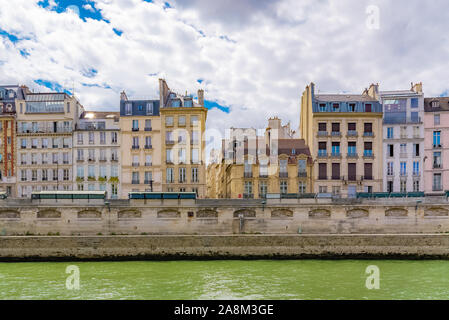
167	5
95	85
54	86
81	7
117	32
8	35
89	73
213	104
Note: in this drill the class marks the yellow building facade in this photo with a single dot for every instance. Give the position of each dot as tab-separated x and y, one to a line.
344	133
276	163
183	126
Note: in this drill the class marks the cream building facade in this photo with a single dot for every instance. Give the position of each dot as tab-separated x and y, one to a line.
96	153
45	125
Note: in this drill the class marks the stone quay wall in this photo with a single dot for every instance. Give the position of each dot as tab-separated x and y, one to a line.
167	247
224	217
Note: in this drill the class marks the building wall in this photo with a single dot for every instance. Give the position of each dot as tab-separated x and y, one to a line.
128	154
8	154
106	155
408	133
429	150
26	183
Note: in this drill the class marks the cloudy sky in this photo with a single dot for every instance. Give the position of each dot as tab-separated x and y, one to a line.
252	57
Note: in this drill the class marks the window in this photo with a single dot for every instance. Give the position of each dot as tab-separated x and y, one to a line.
416	168
23	143
170	177
23	175
195	155
65	158
437	182
55	175
148	144
390	150
91	155
322	189
91	171
135	178
114	171
135	143
283	187
368	129
194	175
368	152
416	149
336	149
248	188
102	155
302	187
149	108
33	175
416	186
113	137
436	119
414	103
351	107
263	189
302	170
182	137
34	143
80	137
436	139
368	107
195	137
182	155
55	158
169	137
182	175
128	108
403	186
322	107
390	133
148	160
148	124
352	149
390	186
80	155
135	162
322	171
135	125
368	168
437	160
181	121
148	177
352	172
44	175
335	190
68	107
403	149
335	107
169	121
91	138
65	174
322	149
114	190
194	121
80	172
169	154
322	128
335	171
335	129
102	137
414	117
403	168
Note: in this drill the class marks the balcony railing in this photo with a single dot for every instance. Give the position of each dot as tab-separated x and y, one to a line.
135	147
336	134
352	155
437	188
336	155
302	174
368	134
148	129
437	146
322	134
368	177
322	153
283	174
169	142
437	165
135	164
148	164
368	153
352	133
135	182
336	177
148	147
248	174
135	129
322	177
45	129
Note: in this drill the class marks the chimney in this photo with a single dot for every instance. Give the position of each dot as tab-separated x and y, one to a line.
163	92
417	87
201	97
373	91
123	96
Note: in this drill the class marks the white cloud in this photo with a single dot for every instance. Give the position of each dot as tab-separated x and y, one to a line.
254	56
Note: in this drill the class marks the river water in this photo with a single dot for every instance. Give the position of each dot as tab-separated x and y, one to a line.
227	279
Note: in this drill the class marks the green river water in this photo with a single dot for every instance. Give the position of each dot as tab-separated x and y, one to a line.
263	279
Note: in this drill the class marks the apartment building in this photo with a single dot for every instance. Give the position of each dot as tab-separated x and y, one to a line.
403	139
183	124
344	134
45	124
253	165
436	145
140	126
8	171
96	153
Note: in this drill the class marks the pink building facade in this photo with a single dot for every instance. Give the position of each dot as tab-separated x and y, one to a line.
436	145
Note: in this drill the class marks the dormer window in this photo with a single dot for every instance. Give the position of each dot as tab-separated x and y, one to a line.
176	103
149	108
128	108
368	107
351	107
188	103
322	107
335	107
